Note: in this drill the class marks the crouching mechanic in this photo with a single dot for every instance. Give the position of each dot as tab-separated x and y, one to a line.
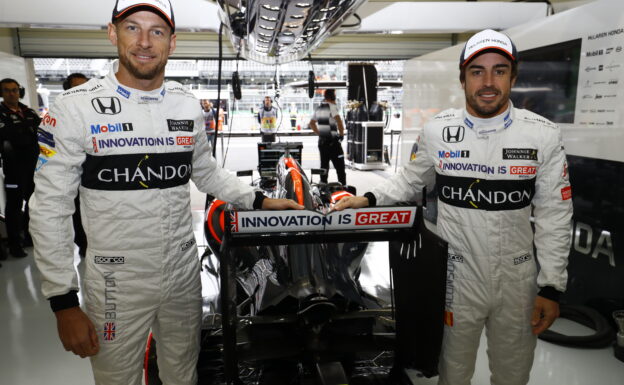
492	164
129	143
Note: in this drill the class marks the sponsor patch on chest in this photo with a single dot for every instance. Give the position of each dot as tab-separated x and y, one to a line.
180	125
519	154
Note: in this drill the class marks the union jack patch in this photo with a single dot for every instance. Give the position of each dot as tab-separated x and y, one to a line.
109	331
233	221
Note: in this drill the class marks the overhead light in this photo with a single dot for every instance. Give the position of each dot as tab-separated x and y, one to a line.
297	16
287	33
267	27
331	8
286	40
323	10
265	34
270	7
303	5
292	26
316	20
267	18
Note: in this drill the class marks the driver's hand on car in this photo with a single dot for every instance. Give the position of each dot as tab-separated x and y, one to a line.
77	332
351	203
280	204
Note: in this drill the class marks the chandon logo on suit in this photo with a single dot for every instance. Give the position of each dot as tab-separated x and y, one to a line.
137	171
106	106
485	194
453	134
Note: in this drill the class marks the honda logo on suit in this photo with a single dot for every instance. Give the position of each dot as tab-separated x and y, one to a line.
106	106
453	134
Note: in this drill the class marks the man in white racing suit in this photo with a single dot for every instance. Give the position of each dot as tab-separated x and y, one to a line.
493	165
130	143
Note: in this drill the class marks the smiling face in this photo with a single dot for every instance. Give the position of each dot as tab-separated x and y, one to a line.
487	85
144	42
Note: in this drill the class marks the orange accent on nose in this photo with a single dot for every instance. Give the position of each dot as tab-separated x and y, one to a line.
296	178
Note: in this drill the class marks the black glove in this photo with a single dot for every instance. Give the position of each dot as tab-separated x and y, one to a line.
340	138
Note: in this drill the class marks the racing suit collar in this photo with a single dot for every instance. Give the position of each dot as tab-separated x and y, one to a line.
137	96
484	127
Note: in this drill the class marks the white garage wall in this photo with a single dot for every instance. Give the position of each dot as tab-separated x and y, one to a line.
23	71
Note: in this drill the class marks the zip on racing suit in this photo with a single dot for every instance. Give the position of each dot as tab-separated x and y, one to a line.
131	155
489	174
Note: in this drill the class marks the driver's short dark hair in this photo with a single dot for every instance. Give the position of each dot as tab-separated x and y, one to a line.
330	94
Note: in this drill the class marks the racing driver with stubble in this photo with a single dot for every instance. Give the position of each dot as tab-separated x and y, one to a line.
493	166
129	143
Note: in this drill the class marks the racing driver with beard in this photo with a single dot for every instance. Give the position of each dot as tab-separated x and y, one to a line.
130	143
492	165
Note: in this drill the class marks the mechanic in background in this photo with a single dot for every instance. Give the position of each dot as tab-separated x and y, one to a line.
80	238
130	143
19	149
267	117
494	165
327	124
74	80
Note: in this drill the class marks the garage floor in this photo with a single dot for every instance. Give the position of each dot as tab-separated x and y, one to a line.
31	354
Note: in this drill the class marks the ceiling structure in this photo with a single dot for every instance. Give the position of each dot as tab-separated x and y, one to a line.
408	32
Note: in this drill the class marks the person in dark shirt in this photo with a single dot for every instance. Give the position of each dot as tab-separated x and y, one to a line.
19	150
327	124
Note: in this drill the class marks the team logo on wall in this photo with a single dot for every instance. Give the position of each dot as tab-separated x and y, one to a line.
453	134
106	106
